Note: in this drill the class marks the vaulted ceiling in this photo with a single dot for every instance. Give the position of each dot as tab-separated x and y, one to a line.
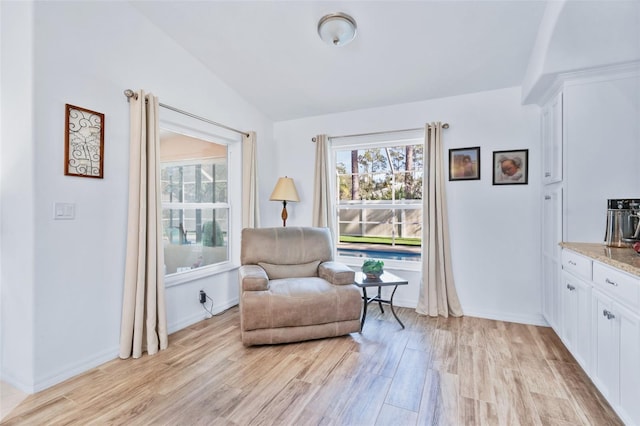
405	51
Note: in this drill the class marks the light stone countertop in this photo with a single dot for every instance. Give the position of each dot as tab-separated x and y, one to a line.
625	259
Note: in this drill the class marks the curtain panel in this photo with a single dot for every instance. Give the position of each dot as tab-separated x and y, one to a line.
250	207
144	320
438	294
323	214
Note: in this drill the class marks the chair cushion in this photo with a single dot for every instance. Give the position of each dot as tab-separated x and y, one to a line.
276	272
294	302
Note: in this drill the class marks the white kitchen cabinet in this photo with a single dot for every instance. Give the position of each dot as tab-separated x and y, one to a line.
616	363
576	318
590	152
606	336
629	333
599	323
551	237
551	129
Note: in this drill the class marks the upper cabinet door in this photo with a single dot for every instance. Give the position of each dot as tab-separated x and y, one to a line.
551	121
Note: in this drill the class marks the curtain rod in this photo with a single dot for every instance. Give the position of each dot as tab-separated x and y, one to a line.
444	126
131	94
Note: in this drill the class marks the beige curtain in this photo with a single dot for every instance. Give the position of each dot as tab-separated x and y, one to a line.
144	320
250	210
322	199
438	294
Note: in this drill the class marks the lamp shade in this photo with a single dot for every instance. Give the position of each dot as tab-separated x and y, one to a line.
285	190
337	29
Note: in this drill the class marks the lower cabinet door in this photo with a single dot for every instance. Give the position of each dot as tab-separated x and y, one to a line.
606	348
629	365
576	318
569	311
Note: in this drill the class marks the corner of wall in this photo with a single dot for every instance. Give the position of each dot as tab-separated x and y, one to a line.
17	188
535	81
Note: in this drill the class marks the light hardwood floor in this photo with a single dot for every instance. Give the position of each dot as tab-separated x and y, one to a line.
456	371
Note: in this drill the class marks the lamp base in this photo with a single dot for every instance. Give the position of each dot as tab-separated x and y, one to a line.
284	214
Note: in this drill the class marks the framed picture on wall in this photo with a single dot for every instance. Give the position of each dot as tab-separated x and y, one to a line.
464	163
511	167
83	142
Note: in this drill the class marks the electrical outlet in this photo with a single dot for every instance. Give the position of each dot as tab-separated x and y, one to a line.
203	296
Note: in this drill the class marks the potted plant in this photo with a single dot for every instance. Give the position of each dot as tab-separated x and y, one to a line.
373	268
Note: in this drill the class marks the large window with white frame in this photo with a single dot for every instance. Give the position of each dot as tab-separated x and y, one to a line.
195	202
379	199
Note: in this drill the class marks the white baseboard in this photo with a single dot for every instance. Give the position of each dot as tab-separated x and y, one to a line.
74	369
199	316
404	303
186	322
96	360
9	378
532	319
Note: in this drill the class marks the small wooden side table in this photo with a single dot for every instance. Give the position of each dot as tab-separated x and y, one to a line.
386	279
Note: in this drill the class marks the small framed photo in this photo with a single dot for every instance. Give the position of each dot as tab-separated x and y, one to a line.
511	167
83	142
464	163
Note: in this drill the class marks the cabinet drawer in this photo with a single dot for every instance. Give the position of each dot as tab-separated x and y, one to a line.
619	285
576	264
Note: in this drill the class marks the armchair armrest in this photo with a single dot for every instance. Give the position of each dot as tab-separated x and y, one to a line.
336	273
253	278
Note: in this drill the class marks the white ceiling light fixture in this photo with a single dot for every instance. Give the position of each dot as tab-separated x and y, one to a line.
337	29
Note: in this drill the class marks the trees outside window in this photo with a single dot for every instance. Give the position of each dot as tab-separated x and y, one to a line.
379	196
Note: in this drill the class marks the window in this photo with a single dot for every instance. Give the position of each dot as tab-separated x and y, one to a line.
379	200
195	202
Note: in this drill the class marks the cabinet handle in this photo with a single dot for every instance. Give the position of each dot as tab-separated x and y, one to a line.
570	287
608	314
547	197
613	283
571	262
547	174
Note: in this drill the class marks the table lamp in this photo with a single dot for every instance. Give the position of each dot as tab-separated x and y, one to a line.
284	191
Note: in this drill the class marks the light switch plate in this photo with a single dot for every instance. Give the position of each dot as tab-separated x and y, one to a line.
64	211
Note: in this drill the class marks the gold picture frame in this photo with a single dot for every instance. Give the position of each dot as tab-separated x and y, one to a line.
83	142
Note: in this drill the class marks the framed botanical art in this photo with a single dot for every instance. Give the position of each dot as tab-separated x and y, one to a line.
464	163
511	167
83	142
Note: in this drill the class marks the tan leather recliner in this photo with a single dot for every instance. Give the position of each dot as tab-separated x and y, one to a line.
292	290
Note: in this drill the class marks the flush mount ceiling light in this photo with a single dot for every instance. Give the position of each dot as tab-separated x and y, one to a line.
337	29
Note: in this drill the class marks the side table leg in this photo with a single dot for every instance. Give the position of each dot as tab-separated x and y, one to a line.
365	303
391	304
380	299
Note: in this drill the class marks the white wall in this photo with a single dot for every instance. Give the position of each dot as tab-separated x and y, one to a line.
86	54
601	122
579	35
494	229
17	184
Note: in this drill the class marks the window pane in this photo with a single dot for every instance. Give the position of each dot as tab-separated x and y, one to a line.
408	185
409	223
367	177
194	238
193	171
171	182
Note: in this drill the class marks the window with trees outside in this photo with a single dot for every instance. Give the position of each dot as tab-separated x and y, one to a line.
379	192
195	202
